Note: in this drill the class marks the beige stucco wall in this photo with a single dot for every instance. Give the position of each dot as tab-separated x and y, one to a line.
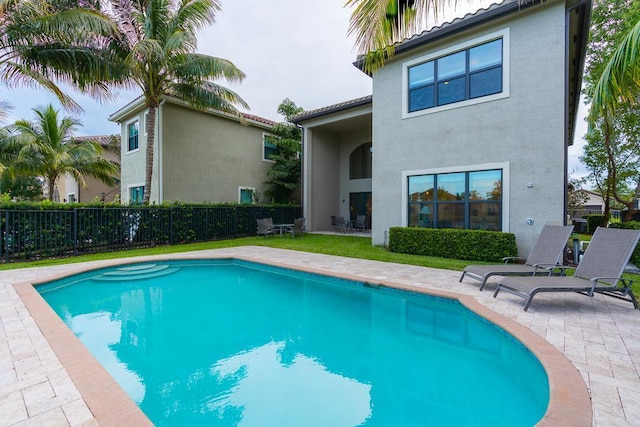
524	132
205	158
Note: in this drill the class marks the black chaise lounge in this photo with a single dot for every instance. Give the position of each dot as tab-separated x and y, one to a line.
545	255
599	271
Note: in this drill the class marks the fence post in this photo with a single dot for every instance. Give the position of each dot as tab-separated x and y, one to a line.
171	225
75	231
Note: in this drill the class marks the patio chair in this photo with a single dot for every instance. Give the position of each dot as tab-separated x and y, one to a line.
360	222
545	255
599	271
298	227
263	229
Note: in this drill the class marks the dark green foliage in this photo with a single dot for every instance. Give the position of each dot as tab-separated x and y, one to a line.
594	221
40	230
476	245
632	225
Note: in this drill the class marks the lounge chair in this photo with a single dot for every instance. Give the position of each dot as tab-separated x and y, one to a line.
599	271
545	255
263	228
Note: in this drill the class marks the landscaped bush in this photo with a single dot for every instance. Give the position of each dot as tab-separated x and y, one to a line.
633	225
594	221
476	245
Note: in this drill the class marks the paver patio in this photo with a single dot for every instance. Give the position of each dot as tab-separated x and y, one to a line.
600	336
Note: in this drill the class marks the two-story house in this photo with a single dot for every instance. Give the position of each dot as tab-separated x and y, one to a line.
200	156
468	127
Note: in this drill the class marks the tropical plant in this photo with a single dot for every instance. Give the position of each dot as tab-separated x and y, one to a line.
45	148
42	43
284	175
154	49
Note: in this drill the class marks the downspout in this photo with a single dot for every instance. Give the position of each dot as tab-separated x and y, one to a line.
160	154
568	131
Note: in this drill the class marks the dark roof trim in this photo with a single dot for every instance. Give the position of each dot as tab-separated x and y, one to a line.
467	22
335	108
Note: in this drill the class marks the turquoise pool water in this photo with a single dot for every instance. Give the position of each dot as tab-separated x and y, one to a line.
227	342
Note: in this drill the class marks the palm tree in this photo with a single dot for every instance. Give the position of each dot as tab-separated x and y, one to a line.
620	79
378	24
155	51
45	148
41	43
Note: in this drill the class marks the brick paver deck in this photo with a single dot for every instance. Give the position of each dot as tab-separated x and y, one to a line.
599	335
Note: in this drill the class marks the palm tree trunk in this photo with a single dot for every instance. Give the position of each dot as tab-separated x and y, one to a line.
151	137
50	185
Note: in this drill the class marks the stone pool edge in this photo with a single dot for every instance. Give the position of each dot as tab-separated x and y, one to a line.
569	400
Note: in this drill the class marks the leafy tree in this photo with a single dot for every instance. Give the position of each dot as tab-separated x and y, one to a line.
612	152
45	148
20	187
576	198
284	175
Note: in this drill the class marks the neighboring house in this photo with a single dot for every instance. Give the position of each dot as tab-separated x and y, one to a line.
467	127
199	156
594	202
68	190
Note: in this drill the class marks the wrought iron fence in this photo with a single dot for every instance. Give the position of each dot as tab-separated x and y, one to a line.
37	234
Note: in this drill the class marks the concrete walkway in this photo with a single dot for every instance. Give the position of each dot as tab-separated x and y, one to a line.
600	336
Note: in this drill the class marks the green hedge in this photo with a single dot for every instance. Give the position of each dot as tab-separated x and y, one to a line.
594	221
476	245
633	225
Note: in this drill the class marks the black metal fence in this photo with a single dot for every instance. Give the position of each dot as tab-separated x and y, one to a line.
36	234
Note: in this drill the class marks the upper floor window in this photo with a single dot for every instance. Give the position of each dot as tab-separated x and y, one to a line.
268	148
360	162
132	132
466	74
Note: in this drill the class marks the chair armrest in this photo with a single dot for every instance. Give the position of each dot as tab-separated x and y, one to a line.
512	258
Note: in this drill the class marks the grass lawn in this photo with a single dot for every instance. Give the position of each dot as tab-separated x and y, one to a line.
346	246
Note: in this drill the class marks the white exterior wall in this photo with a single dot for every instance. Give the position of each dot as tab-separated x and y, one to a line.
133	163
524	131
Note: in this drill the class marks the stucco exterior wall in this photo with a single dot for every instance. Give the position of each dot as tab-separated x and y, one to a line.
205	158
132	163
323	156
525	131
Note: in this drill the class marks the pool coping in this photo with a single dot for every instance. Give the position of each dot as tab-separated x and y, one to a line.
569	400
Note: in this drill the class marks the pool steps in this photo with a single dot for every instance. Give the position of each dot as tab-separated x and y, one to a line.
137	272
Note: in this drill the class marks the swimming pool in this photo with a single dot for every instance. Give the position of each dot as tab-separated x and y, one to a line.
295	348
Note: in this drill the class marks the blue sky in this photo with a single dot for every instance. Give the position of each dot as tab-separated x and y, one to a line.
288	49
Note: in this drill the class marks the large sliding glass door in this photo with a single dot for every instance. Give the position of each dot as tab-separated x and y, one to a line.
360	204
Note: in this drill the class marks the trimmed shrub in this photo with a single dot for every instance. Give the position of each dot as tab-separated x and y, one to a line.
633	225
594	221
475	245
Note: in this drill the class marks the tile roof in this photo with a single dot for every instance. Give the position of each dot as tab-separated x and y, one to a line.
103	140
332	108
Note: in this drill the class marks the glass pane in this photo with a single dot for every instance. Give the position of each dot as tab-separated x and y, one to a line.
485	185
420	188
133	129
451	186
452	65
486	55
422	98
421	75
246	196
485	216
269	149
485	82
451	91
451	215
360	162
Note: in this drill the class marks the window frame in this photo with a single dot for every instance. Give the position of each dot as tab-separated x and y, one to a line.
264	142
504	166
503	34
131	187
127	138
245	188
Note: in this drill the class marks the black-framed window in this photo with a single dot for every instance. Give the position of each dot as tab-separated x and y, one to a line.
133	132
462	75
360	164
467	200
